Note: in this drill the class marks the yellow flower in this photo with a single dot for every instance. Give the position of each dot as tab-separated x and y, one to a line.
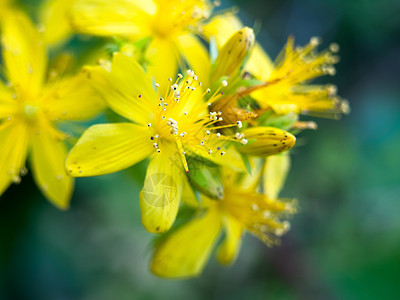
286	89
30	107
53	16
169	24
184	252
168	128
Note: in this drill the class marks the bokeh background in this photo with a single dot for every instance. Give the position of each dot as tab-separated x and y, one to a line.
345	240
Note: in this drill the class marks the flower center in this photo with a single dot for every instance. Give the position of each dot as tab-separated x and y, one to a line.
183	120
30	110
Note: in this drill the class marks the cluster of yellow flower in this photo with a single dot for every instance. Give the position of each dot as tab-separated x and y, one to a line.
216	135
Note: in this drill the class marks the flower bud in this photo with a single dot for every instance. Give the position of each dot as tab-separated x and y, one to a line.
233	53
265	141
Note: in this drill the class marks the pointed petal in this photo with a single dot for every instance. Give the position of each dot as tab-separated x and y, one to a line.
229	249
259	63
163	62
48	163
73	99
221	27
108	148
127	88
188	195
251	181
14	141
8	106
196	55
24	53
276	170
118	17
185	252
54	17
162	191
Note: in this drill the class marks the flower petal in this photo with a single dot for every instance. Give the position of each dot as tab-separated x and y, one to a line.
163	62
162	191
275	172
14	141
8	106
259	64
118	17
48	163
127	89
73	99
107	148
229	249
196	55
221	27
24	54
53	15
185	252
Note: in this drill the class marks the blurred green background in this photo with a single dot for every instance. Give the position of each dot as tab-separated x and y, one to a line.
345	240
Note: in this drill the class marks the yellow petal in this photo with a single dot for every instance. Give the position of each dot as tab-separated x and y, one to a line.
14	144
221	27
229	249
53	15
196	55
259	63
118	17
163	62
250	181
185	252
48	163
188	196
24	54
73	99
8	105
127	89
162	190
107	148
276	170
